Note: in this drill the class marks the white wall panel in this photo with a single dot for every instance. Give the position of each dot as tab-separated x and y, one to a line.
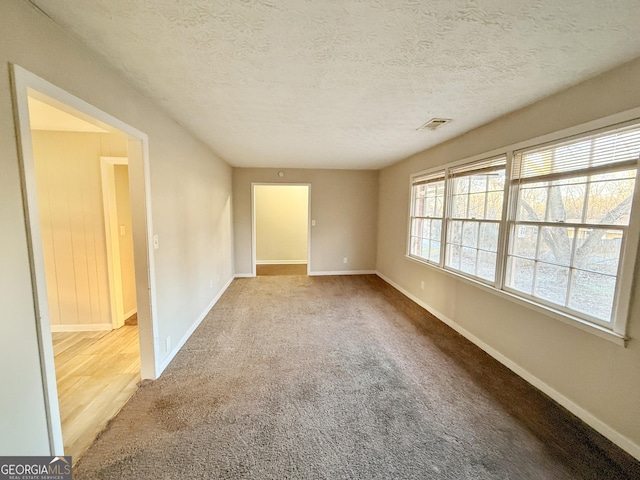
71	216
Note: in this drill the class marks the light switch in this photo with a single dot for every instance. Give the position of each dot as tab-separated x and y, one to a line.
156	244
313	223
122	230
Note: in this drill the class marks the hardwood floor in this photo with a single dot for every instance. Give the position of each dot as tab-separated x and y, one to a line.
278	269
96	373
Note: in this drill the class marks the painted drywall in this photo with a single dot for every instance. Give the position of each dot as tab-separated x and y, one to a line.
67	166
125	227
281	219
592	373
43	116
343	205
191	213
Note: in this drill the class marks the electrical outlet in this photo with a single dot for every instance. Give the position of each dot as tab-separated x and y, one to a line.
156	242
422	284
344	260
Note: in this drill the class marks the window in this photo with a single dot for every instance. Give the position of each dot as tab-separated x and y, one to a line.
553	231
473	226
426	216
573	207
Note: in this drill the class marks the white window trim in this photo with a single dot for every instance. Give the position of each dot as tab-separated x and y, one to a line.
434	172
616	333
448	195
563	317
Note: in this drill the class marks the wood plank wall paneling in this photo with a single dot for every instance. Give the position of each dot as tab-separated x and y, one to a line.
71	215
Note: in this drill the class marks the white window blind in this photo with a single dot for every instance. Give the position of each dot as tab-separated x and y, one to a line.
478	168
424	179
604	150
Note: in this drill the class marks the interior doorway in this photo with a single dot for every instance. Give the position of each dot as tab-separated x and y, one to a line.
281	240
119	242
88	262
91	359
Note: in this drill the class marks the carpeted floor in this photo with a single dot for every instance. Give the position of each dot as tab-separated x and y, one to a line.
341	378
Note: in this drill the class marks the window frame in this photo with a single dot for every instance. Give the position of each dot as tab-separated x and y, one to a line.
435	175
616	309
614	330
448	218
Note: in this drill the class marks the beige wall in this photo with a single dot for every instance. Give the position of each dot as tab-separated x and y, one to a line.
72	221
281	216
191	213
343	205
123	207
592	373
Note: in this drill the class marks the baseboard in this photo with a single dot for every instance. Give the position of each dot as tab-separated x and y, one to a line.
165	363
620	440
343	272
319	274
281	262
82	327
130	312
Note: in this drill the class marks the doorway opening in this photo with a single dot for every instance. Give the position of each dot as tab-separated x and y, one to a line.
88	266
119	242
281	240
86	189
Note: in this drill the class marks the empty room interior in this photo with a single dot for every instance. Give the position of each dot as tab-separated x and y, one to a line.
297	239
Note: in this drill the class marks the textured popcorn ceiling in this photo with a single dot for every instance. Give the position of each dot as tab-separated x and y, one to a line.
345	83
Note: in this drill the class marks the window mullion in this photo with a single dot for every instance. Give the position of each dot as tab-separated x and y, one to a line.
504	228
536	262
603	226
468	195
448	205
574	247
486	195
585	205
475	270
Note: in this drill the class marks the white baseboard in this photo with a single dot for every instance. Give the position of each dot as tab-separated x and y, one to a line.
82	327
343	272
319	274
165	363
130	312
281	262
622	441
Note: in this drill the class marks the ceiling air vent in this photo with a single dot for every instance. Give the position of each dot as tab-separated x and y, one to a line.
434	123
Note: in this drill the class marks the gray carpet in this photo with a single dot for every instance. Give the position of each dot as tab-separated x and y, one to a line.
341	378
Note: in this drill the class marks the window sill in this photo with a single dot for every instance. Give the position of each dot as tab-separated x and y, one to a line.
579	323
